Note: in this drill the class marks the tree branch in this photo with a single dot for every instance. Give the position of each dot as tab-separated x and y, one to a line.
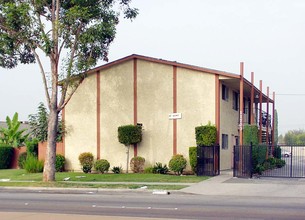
62	102
43	73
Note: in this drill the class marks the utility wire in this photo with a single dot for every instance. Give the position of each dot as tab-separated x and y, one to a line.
291	94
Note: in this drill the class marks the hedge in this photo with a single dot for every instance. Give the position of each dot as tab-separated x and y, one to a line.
6	156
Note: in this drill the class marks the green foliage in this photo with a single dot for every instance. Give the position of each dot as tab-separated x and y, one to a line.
193	158
206	135
33	165
177	164
277	152
258	158
86	161
295	137
39	125
149	169
32	147
272	163
250	134
137	164
12	135
129	134
6	156
86	29
160	169
60	163
117	170
102	165
21	160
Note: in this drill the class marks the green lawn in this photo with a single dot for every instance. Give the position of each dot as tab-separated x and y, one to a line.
99	180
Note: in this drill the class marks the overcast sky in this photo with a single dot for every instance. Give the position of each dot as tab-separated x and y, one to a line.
267	35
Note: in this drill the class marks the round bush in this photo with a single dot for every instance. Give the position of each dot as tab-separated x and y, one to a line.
177	164
21	160
102	165
60	163
137	164
86	161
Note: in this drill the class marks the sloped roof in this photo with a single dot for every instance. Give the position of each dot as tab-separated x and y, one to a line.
232	77
166	62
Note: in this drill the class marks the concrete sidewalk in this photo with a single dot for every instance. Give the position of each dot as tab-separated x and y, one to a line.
226	185
52	216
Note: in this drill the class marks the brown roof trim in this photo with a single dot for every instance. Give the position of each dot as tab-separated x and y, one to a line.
161	61
173	63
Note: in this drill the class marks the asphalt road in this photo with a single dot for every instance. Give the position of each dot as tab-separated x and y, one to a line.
147	205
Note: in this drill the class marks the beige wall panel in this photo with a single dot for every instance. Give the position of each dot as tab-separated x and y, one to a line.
155	103
80	122
229	126
196	102
116	86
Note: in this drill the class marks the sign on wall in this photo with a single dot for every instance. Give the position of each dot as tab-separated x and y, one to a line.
175	116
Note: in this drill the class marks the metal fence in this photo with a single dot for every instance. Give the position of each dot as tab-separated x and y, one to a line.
288	161
294	157
208	160
242	161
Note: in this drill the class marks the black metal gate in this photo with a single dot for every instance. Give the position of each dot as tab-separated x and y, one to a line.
291	158
294	157
242	167
208	160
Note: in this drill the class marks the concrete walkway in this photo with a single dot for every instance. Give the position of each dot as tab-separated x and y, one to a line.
226	185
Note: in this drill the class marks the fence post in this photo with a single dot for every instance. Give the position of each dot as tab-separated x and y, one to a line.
251	160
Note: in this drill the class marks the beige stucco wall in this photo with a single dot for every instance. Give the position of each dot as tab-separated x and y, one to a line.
116	86
229	126
155	103
80	122
196	102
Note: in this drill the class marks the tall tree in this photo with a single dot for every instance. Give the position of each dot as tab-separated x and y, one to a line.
72	34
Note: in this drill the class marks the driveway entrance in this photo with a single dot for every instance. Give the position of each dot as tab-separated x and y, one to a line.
293	155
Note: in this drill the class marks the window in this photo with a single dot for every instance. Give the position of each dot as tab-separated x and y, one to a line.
225	141
225	93
235	101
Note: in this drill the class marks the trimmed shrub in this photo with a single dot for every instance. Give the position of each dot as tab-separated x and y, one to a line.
117	170
250	135
6	156
160	169
102	165
129	134
33	165
60	163
137	164
177	164
32	147
206	135
21	160
86	161
193	158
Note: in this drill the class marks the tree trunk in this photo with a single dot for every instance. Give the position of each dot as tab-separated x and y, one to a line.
49	165
127	155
